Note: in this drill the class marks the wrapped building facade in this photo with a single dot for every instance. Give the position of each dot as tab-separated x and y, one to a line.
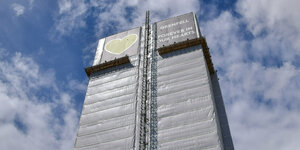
154	87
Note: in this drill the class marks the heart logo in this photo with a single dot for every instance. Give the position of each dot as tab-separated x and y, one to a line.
118	46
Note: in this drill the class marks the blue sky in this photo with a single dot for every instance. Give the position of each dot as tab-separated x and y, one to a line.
45	46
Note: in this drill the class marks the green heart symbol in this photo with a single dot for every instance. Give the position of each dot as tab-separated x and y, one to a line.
118	46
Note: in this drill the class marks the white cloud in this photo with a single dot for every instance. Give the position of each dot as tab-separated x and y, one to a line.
278	18
31	2
261	127
18	8
262	100
35	113
117	16
259	80
122	15
89	53
71	16
114	17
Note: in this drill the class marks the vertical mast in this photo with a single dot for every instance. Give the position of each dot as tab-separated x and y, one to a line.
145	99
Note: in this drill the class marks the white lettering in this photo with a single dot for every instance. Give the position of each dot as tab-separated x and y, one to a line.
173	24
173	35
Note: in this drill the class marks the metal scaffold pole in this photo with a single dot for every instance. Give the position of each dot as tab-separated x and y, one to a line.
144	102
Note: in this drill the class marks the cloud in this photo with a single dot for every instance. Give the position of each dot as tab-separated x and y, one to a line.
124	15
71	16
277	16
119	15
275	26
113	17
261	127
31	3
18	8
258	77
89	53
35	112
255	50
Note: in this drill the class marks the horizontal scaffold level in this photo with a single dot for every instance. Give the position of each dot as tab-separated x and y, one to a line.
112	63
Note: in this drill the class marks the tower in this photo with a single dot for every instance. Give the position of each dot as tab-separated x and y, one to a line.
154	87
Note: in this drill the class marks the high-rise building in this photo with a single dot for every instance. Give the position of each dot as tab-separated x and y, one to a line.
154	87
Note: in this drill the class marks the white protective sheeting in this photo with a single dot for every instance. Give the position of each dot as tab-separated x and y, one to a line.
222	117
108	119
164	102
99	52
185	105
